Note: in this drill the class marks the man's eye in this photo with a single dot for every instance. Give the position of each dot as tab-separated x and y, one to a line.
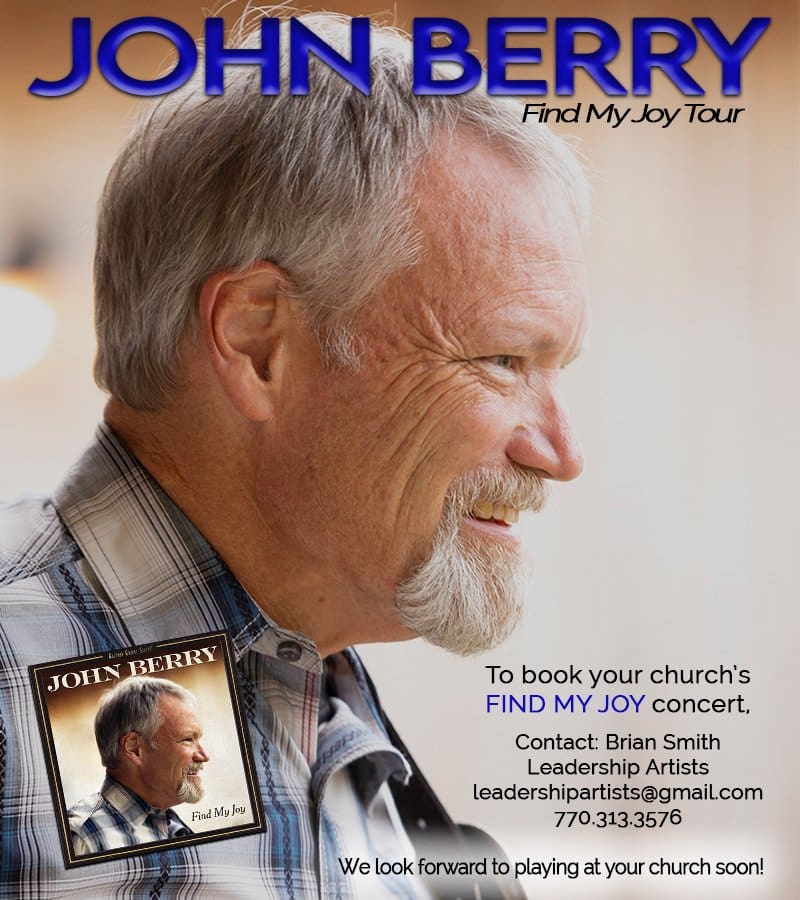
503	362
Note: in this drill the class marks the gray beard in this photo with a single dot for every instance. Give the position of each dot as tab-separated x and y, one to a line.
463	599
467	596
190	791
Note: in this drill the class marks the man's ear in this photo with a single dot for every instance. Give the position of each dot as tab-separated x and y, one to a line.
130	746
245	318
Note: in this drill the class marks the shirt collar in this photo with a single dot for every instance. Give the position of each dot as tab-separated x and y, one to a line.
127	803
357	721
134	809
164	577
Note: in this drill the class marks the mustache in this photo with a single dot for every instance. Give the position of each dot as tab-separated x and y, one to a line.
520	488
194	769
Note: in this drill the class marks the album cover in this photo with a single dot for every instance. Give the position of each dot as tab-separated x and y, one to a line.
146	749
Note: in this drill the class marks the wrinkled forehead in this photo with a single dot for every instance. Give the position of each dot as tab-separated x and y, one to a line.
178	712
494	234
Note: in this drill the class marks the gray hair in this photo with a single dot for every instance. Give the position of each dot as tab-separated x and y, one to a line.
321	185
133	705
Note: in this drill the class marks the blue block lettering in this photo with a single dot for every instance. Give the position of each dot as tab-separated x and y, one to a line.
645	59
731	55
81	64
109	46
499	56
303	41
267	56
425	55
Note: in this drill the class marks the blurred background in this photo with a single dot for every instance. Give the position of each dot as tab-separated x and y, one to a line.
677	544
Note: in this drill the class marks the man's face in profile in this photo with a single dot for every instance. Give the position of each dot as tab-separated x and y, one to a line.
416	466
172	763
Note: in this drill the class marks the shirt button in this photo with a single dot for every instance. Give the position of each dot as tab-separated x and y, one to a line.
290	650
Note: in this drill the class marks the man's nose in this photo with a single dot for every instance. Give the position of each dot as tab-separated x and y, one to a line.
546	442
200	754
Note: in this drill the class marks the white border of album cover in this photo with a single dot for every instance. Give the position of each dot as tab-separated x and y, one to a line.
67	693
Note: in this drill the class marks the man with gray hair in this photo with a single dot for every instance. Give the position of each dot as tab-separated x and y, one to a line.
332	328
149	736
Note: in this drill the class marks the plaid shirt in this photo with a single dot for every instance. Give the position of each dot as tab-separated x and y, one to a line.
116	817
111	562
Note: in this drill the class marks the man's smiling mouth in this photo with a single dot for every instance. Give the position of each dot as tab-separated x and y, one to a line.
495	512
